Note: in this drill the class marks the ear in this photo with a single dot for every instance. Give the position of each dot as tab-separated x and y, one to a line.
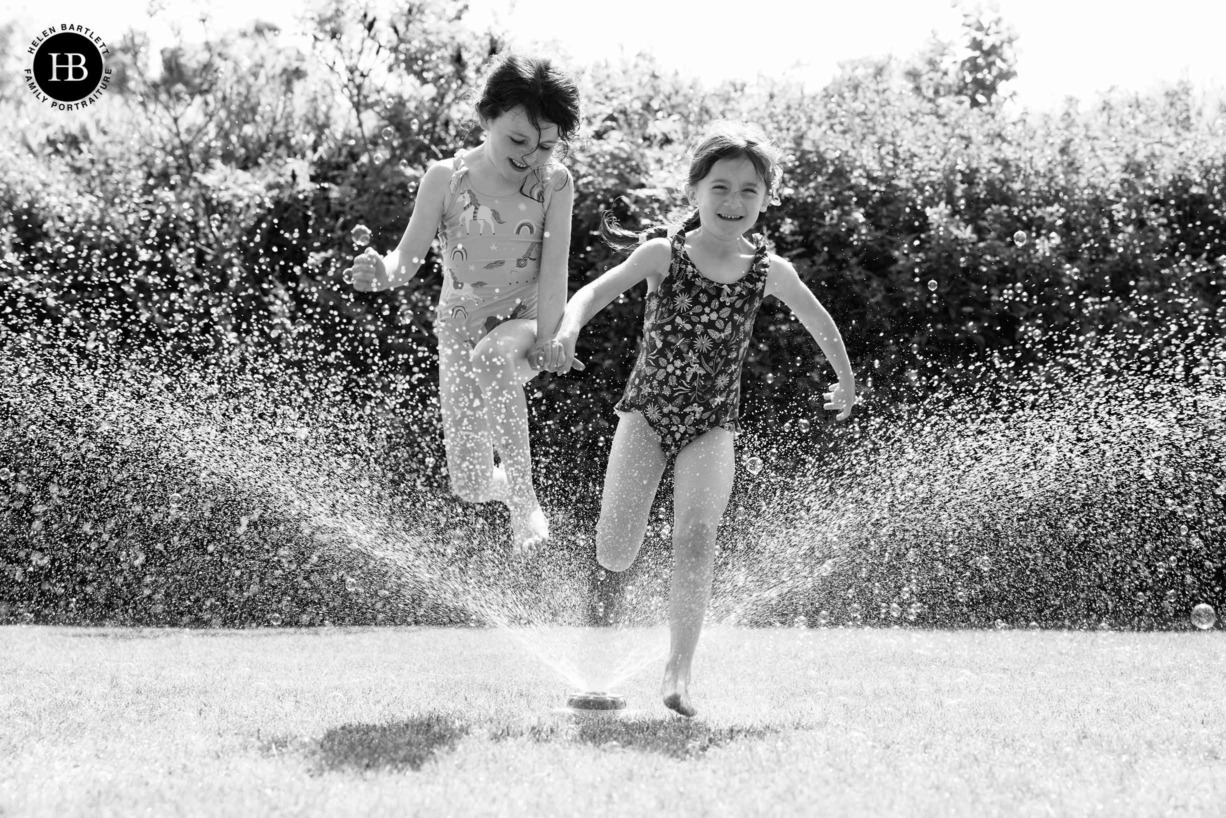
690	194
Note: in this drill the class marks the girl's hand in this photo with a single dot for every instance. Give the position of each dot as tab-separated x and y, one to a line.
369	272
554	355
841	398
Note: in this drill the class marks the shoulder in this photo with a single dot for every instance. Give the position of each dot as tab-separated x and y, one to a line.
781	275
553	184
654	255
557	176
659	248
437	176
779	266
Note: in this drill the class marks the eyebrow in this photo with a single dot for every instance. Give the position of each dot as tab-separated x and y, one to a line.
527	136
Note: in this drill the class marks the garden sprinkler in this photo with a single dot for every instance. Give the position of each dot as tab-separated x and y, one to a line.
596	703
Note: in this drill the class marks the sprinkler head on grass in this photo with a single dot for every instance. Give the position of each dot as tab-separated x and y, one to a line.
596	703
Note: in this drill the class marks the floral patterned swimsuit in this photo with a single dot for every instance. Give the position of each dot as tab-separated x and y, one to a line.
687	376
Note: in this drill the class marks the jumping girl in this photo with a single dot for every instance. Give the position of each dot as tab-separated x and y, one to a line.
503	212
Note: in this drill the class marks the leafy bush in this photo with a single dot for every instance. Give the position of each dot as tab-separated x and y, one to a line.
199	218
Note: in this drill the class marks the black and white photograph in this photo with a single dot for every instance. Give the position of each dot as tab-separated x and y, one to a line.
519	408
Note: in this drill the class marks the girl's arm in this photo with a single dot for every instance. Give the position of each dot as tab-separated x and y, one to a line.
555	257
648	260
783	282
372	272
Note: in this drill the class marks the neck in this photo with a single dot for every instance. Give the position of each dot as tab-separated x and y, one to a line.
720	246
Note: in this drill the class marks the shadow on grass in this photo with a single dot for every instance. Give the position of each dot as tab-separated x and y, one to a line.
666	735
400	745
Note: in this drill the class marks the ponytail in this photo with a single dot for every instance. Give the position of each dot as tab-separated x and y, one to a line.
620	238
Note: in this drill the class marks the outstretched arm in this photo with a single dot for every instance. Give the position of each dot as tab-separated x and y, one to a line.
784	283
647	261
372	272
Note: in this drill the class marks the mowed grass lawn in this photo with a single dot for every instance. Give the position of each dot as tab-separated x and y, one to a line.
403	721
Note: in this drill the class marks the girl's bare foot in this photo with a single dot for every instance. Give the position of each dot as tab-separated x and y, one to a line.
676	690
499	489
529	526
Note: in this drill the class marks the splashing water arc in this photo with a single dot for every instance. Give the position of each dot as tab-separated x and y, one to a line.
249	487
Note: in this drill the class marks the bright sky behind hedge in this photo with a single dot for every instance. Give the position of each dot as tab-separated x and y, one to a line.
1066	47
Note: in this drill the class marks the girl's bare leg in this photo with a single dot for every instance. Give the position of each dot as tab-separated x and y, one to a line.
631	479
702	480
466	433
500	365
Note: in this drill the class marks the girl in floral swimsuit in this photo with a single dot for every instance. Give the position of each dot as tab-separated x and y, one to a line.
704	287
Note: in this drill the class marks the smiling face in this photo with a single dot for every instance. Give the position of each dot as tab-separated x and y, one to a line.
730	197
515	146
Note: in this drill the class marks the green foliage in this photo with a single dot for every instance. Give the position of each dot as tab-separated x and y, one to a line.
201	215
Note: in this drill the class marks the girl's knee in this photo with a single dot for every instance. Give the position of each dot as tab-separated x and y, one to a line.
495	360
614	553
613	559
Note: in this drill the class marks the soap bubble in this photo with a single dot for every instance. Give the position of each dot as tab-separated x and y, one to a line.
360	235
932	285
804	424
1020	238
753	465
388	133
1203	616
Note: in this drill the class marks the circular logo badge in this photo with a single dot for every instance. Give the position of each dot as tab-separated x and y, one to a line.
68	67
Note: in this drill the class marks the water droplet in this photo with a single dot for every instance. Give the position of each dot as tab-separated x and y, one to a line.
360	235
932	285
1020	238
753	465
1203	616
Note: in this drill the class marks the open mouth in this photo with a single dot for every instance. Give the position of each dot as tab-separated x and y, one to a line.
729	218
517	165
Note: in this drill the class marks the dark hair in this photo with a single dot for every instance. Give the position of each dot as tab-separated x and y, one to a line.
547	93
721	140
